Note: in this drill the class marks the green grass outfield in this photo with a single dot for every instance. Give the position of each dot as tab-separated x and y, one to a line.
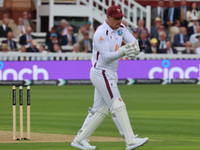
170	113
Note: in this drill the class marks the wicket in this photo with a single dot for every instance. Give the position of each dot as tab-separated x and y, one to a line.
21	113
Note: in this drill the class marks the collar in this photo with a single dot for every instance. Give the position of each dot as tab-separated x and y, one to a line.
170	50
194	11
108	27
183	7
144	40
4	26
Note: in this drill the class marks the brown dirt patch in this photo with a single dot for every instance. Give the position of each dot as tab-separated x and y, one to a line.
6	137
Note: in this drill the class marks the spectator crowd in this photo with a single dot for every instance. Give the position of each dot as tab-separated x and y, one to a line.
54	40
172	27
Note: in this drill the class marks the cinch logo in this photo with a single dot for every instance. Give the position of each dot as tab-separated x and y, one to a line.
34	72
169	73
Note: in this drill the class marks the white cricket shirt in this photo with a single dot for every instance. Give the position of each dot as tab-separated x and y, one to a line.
106	42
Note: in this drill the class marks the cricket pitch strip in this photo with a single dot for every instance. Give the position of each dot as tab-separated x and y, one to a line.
6	137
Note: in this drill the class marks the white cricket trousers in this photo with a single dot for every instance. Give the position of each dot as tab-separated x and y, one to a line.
106	91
